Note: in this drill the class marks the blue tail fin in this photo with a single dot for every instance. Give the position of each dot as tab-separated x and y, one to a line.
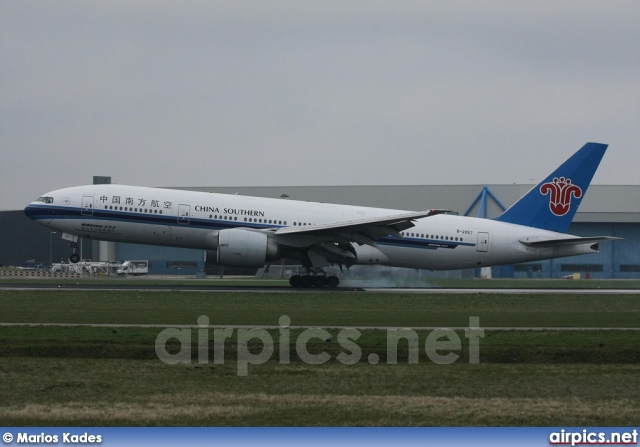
553	202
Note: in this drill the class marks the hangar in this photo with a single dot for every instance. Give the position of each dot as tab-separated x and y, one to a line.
612	210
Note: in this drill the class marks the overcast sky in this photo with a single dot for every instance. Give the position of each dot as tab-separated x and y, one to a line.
216	93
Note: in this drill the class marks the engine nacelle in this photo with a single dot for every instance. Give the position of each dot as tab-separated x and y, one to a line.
242	248
370	255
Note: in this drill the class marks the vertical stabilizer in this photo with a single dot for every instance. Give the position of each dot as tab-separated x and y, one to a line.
553	202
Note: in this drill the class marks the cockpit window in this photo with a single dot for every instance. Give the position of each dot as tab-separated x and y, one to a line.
45	199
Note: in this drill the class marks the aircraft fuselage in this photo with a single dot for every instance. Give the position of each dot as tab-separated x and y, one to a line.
191	219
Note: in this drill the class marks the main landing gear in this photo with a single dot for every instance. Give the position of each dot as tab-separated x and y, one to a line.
314	279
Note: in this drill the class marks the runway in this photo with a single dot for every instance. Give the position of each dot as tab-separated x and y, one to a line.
264	289
507	291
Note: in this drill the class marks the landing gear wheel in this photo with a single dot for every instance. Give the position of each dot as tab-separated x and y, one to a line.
319	281
75	257
295	281
306	281
316	280
332	281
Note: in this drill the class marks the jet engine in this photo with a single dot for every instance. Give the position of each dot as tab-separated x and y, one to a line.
242	248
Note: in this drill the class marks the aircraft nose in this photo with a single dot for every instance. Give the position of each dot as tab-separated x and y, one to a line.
31	211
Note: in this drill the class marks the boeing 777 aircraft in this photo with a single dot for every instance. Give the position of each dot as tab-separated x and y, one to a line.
251	231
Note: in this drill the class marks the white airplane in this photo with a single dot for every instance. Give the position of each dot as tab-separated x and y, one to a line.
246	231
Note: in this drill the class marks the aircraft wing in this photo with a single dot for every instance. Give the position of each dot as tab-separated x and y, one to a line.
568	241
362	231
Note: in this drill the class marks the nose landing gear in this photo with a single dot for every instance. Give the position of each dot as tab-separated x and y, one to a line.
73	243
75	257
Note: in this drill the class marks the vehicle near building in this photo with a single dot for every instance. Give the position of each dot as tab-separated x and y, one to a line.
134	268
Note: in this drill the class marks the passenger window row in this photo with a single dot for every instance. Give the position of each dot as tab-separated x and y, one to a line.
437	237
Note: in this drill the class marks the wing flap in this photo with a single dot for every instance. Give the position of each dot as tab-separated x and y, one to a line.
373	228
332	243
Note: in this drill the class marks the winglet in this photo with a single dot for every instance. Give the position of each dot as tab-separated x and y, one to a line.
434	212
552	203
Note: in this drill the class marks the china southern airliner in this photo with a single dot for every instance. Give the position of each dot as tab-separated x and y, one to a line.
246	231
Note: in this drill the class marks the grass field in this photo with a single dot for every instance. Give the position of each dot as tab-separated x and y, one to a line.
320	308
111	375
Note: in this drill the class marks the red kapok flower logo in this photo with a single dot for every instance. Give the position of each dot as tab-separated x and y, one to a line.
560	191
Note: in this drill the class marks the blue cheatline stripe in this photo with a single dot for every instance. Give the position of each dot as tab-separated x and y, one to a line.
133	217
48	212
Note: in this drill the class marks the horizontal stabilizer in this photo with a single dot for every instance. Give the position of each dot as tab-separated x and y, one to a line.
569	241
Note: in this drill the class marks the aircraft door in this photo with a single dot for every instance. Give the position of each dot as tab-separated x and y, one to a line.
184	214
87	206
483	242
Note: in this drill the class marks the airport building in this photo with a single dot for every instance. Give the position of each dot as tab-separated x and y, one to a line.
605	211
